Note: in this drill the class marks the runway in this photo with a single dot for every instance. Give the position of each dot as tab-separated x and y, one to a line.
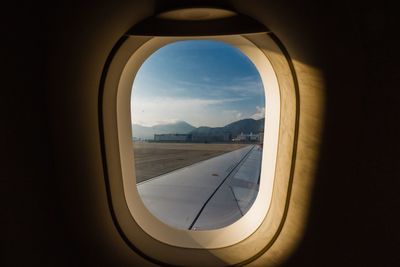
153	159
207	195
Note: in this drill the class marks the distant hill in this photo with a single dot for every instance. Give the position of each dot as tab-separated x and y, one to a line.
144	132
245	126
180	127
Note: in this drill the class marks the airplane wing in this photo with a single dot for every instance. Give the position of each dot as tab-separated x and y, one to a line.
207	195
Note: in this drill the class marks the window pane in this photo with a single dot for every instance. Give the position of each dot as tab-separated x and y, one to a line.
197	110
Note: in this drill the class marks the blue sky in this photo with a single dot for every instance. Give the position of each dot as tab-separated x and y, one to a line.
205	83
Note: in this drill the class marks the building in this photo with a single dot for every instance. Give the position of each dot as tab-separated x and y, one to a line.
211	138
248	137
172	137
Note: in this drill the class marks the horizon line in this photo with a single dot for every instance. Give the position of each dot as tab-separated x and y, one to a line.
176	121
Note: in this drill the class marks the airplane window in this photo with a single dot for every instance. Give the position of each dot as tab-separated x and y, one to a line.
197	114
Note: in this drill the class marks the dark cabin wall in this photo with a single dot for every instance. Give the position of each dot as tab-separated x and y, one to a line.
353	214
53	210
26	159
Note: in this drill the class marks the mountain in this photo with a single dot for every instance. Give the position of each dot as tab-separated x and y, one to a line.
245	126
180	127
144	132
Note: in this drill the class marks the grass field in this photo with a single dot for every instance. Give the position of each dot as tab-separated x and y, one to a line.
154	159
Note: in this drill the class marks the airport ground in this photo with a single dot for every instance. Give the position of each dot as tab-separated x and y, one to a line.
154	159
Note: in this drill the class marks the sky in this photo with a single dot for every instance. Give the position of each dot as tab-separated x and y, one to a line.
205	83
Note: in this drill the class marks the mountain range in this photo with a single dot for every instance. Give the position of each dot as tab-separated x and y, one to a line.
245	126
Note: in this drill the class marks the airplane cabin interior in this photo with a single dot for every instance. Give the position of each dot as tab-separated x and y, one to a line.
328	189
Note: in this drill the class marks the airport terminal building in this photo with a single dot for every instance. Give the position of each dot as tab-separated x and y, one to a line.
172	137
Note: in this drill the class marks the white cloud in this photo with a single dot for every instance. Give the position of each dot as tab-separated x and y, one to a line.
197	111
260	113
243	86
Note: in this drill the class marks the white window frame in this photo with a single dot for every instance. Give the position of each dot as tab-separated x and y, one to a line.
144	230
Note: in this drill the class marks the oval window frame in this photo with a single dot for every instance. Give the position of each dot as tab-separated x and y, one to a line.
116	127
